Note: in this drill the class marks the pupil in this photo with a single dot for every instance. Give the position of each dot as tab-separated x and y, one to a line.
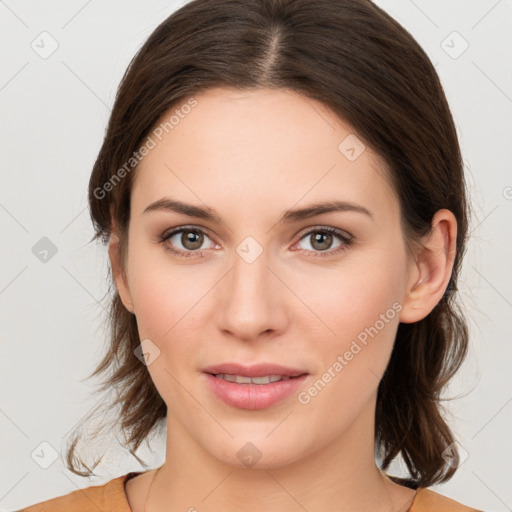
322	237
192	240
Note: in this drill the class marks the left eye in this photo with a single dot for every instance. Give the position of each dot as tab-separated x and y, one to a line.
321	240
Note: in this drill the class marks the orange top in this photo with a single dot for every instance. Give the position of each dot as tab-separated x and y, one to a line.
111	497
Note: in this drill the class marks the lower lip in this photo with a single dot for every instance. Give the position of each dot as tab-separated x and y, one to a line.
253	396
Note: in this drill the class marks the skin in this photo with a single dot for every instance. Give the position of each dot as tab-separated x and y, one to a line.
250	156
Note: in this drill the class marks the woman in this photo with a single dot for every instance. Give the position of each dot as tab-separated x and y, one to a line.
282	193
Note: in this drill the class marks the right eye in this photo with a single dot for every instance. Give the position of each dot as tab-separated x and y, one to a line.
190	238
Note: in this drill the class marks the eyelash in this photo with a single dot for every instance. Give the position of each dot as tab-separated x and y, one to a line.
347	241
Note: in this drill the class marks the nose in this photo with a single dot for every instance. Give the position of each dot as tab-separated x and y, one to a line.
252	300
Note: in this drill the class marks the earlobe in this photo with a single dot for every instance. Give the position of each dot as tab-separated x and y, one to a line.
118	272
432	268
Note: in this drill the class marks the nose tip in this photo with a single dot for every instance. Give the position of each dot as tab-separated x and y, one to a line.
250	299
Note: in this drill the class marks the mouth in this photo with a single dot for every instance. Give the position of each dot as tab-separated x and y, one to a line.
240	373
259	381
252	392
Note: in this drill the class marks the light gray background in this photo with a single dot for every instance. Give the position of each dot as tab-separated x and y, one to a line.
54	113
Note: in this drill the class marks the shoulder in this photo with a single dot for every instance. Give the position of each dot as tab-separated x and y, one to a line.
430	501
110	496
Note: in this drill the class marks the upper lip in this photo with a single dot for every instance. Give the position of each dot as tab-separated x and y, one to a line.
255	370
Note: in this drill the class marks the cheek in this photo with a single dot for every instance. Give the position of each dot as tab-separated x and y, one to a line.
364	317
170	301
358	294
166	294
360	304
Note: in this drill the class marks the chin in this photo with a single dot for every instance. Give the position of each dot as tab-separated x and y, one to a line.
260	453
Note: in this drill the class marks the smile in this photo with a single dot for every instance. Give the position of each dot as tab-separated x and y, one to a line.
245	392
241	379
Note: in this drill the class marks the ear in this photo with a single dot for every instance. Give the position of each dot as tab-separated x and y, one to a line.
431	268
118	271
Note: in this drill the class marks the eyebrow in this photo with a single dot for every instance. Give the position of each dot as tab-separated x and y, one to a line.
289	216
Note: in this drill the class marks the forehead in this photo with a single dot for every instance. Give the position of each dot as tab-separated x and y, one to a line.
247	145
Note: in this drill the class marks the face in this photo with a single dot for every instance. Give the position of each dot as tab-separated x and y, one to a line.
254	283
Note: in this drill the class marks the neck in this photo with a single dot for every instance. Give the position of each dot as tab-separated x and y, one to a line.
343	472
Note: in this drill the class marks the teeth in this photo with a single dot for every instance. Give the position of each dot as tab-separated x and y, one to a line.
240	379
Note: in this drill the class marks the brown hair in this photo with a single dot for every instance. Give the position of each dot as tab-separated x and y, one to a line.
357	60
